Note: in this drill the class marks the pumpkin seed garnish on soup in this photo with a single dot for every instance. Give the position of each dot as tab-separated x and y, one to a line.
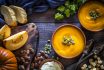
67	40
94	14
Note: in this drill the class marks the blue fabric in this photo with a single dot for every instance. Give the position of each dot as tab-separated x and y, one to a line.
33	5
39	5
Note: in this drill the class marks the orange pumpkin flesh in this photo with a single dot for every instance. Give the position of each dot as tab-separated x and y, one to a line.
86	20
7	60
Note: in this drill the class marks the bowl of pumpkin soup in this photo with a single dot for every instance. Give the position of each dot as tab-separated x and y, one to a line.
68	41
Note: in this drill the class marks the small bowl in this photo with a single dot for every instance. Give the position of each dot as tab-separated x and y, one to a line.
49	60
85	19
66	51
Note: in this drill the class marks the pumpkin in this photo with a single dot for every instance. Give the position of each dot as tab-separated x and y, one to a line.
68	41
5	32
7	60
16	41
91	15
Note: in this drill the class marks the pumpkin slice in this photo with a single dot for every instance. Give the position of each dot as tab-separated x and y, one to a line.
20	14
9	15
16	41
5	32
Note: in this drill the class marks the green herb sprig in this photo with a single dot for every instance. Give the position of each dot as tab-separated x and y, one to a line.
69	8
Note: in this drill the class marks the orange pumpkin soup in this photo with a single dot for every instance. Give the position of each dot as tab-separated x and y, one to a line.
91	15
68	41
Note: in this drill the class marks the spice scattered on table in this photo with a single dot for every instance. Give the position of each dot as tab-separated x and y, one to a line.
47	47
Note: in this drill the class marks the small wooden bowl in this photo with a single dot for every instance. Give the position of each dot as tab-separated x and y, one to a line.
49	60
85	19
66	51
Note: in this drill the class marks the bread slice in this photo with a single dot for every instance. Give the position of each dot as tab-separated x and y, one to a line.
20	14
9	15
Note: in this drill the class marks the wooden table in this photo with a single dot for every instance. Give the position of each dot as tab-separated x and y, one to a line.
47	25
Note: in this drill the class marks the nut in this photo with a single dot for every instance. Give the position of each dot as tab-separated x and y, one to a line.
31	50
21	67
27	57
27	52
22	59
39	54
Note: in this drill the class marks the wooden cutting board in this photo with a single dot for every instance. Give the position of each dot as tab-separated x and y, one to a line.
32	42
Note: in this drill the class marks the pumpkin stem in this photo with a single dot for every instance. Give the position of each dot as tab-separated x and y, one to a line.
94	15
68	41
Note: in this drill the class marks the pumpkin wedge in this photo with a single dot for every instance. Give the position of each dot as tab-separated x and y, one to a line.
91	15
9	15
5	32
16	41
20	14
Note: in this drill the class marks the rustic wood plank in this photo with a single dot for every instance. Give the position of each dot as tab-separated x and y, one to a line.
32	42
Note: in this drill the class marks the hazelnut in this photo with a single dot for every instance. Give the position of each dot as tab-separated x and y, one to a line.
27	52
31	50
36	64
42	52
26	63
21	67
18	59
45	56
32	65
39	54
22	59
27	57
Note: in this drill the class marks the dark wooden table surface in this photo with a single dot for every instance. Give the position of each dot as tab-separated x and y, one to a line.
47	25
